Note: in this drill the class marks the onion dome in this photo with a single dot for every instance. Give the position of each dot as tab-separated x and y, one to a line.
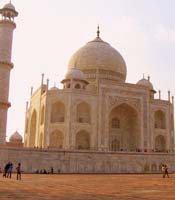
99	55
16	137
75	74
9	6
146	83
8	11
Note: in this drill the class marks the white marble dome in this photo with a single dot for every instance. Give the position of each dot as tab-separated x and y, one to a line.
98	54
16	137
146	83
75	74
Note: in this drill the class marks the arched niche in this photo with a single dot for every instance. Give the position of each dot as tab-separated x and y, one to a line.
82	140
83	113
33	125
56	139
160	143
124	126
57	112
159	120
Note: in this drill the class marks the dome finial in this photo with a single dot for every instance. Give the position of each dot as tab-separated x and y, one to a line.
98	31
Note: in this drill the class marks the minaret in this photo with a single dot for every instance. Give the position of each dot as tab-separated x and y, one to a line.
7	25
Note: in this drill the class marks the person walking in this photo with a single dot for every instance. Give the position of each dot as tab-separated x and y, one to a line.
18	170
6	169
9	171
166	171
163	171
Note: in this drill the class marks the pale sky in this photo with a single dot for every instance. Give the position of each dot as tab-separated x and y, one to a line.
50	31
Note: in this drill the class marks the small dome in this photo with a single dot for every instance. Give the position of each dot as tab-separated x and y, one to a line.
146	83
9	6
16	137
75	74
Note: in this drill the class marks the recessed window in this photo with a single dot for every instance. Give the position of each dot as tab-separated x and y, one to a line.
115	123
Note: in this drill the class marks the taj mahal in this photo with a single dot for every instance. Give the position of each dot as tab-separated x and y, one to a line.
97	122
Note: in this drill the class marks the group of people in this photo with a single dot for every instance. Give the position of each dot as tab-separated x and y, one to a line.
44	171
7	173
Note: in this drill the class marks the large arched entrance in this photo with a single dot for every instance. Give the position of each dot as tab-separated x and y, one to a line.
124	129
82	140
33	129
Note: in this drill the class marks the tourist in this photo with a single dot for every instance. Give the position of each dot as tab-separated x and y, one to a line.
9	170
6	169
18	170
166	171
163	171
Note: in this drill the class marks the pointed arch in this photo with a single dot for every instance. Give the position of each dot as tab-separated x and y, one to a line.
33	127
56	139
57	112
83	113
124	127
82	140
159	119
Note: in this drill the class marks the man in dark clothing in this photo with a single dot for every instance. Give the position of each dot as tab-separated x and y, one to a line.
6	169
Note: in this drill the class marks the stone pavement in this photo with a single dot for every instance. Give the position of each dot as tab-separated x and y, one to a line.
88	187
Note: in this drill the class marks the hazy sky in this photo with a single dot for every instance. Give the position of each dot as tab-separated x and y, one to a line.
50	31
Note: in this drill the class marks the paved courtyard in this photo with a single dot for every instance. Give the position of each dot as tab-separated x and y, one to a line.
88	187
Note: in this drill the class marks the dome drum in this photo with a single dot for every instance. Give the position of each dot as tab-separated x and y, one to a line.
104	74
